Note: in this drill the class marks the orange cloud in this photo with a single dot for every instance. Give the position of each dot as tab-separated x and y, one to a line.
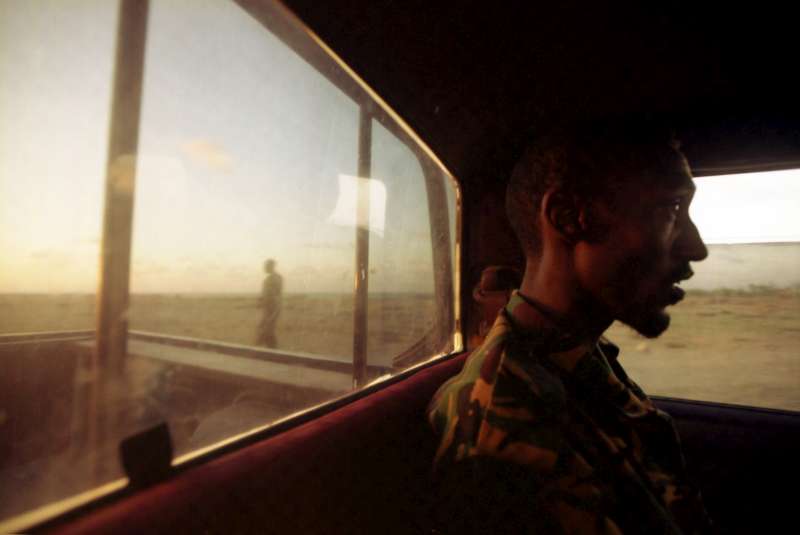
209	154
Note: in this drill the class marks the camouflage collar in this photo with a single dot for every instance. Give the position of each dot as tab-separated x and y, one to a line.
555	336
589	366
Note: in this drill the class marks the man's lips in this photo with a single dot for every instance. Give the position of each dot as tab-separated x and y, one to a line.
676	294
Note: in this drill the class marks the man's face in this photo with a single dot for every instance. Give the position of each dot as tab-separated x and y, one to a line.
632	271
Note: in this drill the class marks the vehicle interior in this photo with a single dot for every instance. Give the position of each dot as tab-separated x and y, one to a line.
193	428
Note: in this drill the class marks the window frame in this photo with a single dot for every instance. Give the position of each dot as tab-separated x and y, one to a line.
113	295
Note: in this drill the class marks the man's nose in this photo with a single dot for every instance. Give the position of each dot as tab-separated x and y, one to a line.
690	245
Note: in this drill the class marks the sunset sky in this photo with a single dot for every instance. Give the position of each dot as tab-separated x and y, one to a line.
246	153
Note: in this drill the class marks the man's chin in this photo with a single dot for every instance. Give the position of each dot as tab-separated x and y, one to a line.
649	324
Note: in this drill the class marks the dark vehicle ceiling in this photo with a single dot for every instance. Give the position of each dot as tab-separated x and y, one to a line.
475	80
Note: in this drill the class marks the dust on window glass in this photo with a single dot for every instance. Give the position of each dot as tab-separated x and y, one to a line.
241	298
56	61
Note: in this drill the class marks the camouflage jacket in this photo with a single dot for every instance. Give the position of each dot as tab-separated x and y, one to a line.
540	434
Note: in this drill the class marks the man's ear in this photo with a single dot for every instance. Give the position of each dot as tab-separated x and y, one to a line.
562	214
575	220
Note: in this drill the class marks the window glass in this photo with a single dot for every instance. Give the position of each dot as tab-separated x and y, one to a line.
244	147
401	293
258	154
239	168
735	337
55	67
55	85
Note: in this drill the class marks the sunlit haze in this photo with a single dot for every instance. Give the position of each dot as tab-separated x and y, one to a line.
242	150
244	154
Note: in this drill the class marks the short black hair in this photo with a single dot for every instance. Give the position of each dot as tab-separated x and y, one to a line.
589	161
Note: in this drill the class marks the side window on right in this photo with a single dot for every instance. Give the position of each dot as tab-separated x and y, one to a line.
735	338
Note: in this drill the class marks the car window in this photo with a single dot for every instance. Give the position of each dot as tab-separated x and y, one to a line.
291	240
735	337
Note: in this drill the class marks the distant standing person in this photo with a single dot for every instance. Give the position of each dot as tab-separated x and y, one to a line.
270	303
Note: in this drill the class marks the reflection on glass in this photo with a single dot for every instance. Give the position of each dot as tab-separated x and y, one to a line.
345	213
218	192
244	238
735	337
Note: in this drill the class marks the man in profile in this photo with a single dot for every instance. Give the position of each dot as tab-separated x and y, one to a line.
543	431
271	290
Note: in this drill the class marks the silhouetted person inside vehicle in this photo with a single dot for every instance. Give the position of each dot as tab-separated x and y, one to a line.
543	431
270	303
